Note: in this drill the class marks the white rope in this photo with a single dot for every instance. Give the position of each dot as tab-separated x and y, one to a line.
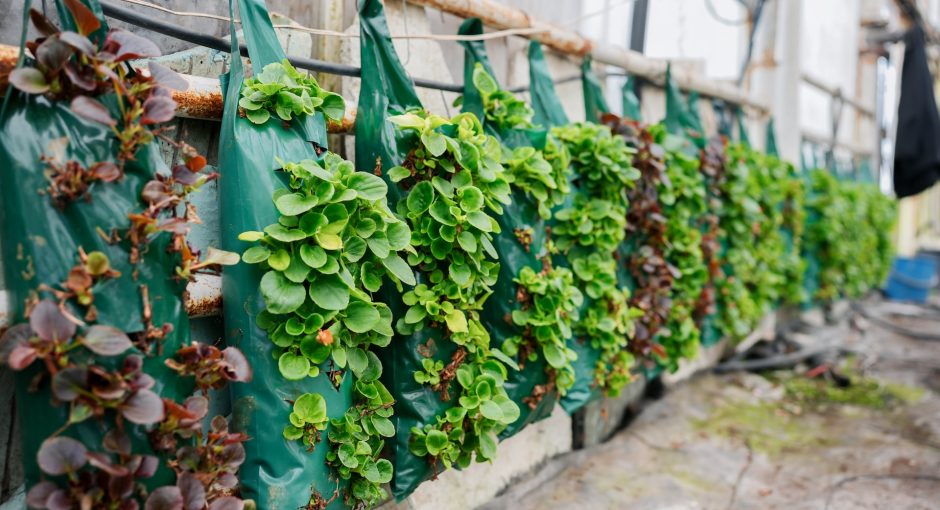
332	33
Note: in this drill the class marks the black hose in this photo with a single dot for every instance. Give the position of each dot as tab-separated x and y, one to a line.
890	326
310	64
782	361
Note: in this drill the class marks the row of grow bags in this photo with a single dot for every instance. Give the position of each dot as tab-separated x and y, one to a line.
472	273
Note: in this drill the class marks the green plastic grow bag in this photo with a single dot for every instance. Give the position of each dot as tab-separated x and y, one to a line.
41	243
278	474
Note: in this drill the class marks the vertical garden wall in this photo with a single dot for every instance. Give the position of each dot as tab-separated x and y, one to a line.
387	317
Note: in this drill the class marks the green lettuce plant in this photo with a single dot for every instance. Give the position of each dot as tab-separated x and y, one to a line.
753	194
848	233
541	174
282	90
307	420
589	232
550	303
545	180
455	182
682	194
501	107
358	437
472	427
335	243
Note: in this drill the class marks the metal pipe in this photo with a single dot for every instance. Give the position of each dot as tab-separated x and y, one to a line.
503	17
835	91
221	44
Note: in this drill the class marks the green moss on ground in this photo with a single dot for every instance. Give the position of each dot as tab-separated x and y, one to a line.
795	421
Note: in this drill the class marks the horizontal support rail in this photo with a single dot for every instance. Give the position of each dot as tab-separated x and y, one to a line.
857	149
502	17
837	92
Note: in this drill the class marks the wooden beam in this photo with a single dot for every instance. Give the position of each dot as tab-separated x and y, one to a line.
502	17
202	100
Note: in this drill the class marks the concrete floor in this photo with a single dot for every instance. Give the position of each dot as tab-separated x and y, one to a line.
740	441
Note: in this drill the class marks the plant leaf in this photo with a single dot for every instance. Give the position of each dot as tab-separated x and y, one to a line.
85	20
106	340
61	455
29	80
92	109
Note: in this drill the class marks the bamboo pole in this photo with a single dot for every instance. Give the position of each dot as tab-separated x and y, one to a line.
502	17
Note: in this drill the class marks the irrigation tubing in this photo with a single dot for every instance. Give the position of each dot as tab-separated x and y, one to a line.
310	64
782	361
890	326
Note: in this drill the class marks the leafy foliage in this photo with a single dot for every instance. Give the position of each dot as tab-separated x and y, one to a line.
334	244
712	166
473	426
500	106
280	89
589	232
455	180
70	67
753	195
542	176
97	370
550	304
849	234
358	437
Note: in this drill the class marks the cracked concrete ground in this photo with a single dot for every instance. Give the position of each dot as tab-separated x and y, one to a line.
740	441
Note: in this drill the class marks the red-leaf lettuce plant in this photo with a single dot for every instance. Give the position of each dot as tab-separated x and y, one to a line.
81	362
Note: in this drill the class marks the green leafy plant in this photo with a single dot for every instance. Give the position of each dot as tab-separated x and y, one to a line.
471	428
431	375
358	437
308	419
589	232
753	194
335	242
546	181
282	90
500	106
541	174
455	180
550	304
848	234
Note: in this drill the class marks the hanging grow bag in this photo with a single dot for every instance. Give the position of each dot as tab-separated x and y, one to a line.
278	474
41	244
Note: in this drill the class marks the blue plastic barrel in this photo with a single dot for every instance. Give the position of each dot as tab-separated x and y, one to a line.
911	279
